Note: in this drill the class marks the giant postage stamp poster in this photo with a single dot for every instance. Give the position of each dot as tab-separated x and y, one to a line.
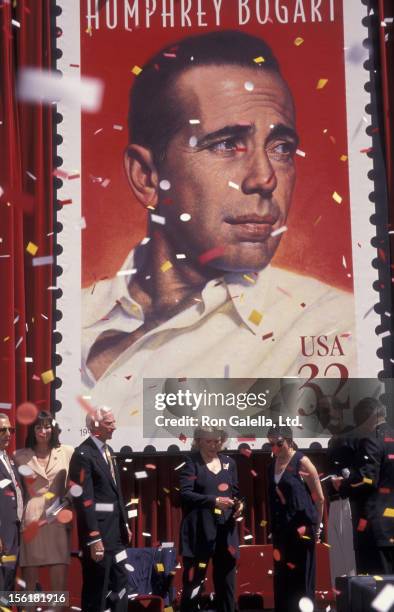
215	201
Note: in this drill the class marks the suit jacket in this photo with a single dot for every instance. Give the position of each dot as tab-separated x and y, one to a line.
199	490
373	488
8	506
89	469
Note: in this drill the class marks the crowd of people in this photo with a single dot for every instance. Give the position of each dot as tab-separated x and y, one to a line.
45	480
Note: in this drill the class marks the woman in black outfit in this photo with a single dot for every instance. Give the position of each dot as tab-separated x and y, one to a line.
296	503
209	496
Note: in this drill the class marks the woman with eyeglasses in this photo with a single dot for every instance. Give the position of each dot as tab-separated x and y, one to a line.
47	540
210	504
296	505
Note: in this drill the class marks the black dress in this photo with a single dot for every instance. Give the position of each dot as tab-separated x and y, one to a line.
294	522
207	533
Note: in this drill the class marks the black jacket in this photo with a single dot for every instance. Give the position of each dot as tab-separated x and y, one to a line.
8	507
199	489
89	469
372	487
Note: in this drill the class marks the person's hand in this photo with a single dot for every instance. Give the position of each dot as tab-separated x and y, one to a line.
239	508
337	482
97	551
224	503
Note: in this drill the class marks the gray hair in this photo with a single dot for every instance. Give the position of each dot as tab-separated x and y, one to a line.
207	432
93	418
4	416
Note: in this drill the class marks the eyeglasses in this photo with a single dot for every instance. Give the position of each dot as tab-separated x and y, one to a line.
10	429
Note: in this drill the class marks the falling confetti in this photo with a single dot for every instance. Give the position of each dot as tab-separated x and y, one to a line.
255	317
31	248
279	231
26	412
259	59
336	197
305	605
167	265
47	376
298	41
321	83
249	86
233	185
211	254
165	185
384	601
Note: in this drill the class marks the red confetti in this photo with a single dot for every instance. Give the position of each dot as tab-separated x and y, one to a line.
301	530
266	336
291	565
362	523
30	531
182	438
150	466
389	439
26	413
63	202
384	491
232	550
276	554
65	516
211	254
87	503
253	473
303	305
223	486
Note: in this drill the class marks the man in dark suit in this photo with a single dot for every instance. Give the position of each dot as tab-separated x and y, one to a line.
371	490
101	516
11	509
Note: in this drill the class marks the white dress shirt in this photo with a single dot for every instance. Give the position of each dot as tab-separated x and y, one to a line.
225	335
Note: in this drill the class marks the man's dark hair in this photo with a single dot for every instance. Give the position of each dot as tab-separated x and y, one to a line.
367	407
154	113
43	417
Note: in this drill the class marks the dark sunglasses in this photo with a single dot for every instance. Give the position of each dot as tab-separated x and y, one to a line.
10	429
279	443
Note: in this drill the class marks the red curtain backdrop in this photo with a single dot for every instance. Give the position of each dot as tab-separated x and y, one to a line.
26	206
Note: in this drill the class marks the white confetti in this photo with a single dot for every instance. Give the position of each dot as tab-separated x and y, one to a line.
167	544
178	467
117	127
129	567
29	174
194	592
104	507
28	359
105	182
185	217
279	231
194	121
76	490
5	405
121	556
165	185
305	604
385	599
127	272
146	535
49	86
122	593
344	261
141	474
249	86
145	241
180	256
15	23
158	219
233	185
132	513
300	153
192	142
4	483
42	261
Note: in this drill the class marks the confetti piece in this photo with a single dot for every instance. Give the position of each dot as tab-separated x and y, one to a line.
178	467
194	592
104	507
248	537
321	83
8	558
367	480
276	554
127	272
279	231
49	495
194	121
259	59
217	511
136	70
336	197
76	490
233	185
388	512
4	483
132	513
31	248
384	601
26	413
211	254
362	524
158	219
249	86
64	516
42	261
167	265
300	153
305	604
150	466
254	473
263	523
48	86
255	317
159	567
165	185
267	336
141	474
47	376
146	535
5	405
298	41
121	556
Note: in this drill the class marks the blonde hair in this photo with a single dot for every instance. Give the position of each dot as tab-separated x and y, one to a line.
205	432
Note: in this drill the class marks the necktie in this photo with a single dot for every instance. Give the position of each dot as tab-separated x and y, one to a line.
109	461
19	497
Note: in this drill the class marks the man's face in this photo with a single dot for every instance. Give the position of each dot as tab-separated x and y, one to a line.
106	427
233	172
5	433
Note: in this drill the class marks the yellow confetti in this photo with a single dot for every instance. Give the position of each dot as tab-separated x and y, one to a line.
136	70
263	523
159	567
305	537
166	490
49	495
6	338
259	59
321	83
343	158
255	317
367	481
134	412
134	500
8	558
326	545
167	265
47	377
31	248
202	565
217	511
377	578
248	278
89	30
389	512
336	197
298	41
